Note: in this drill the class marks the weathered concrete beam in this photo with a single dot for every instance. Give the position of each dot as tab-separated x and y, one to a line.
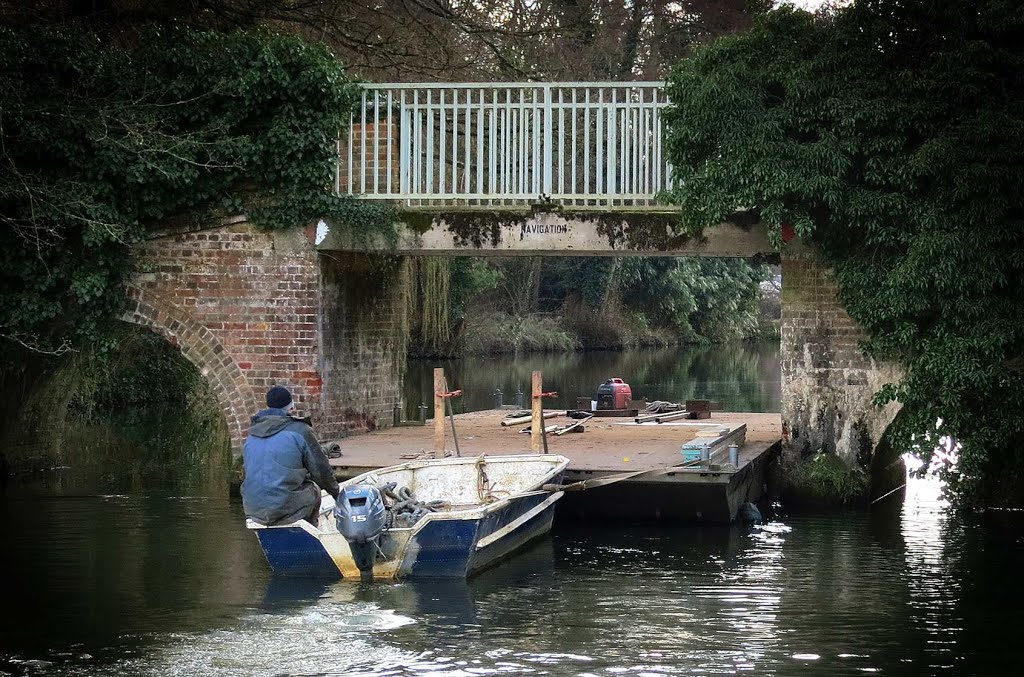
556	233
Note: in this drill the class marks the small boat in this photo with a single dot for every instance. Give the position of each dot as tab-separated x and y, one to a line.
446	517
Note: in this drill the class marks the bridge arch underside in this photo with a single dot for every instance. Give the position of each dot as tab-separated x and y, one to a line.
200	347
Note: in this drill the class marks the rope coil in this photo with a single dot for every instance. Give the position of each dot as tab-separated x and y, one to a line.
405	509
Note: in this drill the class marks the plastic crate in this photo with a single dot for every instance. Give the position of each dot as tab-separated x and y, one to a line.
690	454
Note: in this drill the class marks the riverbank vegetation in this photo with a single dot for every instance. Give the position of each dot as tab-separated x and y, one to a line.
889	136
821	481
538	304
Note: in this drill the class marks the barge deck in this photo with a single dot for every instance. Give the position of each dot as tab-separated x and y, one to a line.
703	492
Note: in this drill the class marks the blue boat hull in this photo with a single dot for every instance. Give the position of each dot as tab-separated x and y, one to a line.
444	547
450	548
292	551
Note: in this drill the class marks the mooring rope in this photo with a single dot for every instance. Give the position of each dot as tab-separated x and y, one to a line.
406	510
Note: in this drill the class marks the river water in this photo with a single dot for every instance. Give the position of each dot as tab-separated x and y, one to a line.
165	584
111	575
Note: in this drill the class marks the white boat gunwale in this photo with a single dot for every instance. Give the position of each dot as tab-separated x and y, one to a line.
327	534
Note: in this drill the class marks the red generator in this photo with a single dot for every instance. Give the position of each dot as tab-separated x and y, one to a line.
614	394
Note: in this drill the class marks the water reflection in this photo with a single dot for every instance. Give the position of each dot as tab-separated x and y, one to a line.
163	585
745	377
106	572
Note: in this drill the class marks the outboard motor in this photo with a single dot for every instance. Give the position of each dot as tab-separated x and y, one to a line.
361	519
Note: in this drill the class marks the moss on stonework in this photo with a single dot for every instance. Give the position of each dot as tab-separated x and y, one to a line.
822	481
642	231
477	229
417	221
638	231
480	229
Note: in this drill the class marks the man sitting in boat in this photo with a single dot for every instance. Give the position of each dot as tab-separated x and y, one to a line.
285	468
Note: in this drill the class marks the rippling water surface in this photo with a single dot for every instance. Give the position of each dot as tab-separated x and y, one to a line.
165	585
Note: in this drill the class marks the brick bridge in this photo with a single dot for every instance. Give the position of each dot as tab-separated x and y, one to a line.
515	169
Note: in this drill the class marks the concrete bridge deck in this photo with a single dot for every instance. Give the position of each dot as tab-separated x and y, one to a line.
608	447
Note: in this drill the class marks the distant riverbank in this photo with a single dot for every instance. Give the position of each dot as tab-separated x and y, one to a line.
744	376
499	333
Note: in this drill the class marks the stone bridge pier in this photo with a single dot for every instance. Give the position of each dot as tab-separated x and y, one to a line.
252	309
827	383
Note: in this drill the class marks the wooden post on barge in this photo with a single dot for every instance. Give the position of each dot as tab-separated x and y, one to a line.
439	390
537	409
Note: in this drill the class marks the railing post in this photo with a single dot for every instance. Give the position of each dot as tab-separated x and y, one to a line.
351	151
548	139
613	115
404	146
362	145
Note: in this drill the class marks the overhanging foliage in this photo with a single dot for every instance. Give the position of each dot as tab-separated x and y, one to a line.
101	140
891	135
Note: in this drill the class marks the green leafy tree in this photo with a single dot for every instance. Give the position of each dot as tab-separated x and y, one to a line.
891	136
101	139
470	277
704	300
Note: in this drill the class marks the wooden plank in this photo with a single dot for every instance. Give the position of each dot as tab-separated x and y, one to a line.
704	405
537	406
574	425
523	419
672	416
438	412
548	429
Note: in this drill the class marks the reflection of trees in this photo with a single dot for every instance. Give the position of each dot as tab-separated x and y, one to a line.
138	565
745	377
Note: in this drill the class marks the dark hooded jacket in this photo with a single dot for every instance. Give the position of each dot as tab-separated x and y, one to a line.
285	468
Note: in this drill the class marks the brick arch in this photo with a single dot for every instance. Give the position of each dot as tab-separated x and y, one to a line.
202	348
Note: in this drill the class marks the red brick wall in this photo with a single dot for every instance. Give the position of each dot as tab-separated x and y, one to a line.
252	309
243	306
827	383
370	142
365	338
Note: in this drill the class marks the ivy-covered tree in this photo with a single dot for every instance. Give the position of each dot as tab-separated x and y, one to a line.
891	136
101	139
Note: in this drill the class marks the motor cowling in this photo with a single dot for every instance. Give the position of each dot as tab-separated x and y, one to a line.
361	519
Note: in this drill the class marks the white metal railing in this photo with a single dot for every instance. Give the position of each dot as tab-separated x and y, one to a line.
583	144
